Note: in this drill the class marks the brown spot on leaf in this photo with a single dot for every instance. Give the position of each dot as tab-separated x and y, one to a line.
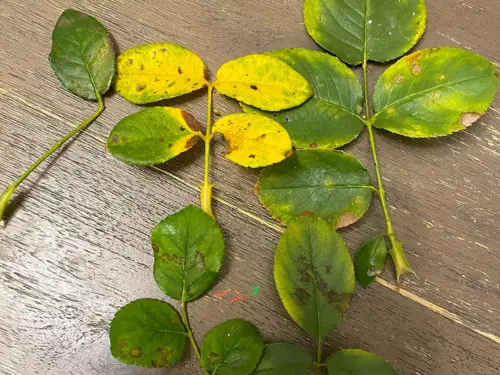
200	260
307	214
142	66
328	269
468	118
399	79
416	70
173	258
156	248
191	121
256	188
313	145
140	87
253	87
136	352
115	139
305	269
164	50
290	153
497	74
252	156
162	139
212	358
302	296
346	218
192	141
179	70
130	61
164	357
122	342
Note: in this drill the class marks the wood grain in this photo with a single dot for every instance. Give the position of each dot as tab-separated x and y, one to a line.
76	248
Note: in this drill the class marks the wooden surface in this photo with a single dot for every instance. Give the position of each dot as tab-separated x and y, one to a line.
76	247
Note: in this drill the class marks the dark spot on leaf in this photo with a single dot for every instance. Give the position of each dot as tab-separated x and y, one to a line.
416	70
274	115
164	50
189	79
212	358
313	145
468	118
173	258
140	87
287	119
253	87
136	352
122	342
154	54
307	214
170	145
305	269
157	79
179	70
290	153
328	269
497	74
399	79
130	61
346	218
302	296
191	121
162	139
251	156
261	136
114	139
142	66
182	128
156	248
192	141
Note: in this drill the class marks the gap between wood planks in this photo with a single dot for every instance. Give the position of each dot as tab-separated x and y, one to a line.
405	293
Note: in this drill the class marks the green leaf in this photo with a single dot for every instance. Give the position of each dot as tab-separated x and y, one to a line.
314	275
153	135
330	118
357	362
232	348
330	184
152	72
254	140
264	82
188	249
82	54
284	359
370	260
434	92
147	333
384	30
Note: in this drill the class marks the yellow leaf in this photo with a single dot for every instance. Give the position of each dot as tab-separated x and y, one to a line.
264	82
254	140
152	72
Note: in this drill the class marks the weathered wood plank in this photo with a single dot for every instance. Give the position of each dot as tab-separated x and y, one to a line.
77	249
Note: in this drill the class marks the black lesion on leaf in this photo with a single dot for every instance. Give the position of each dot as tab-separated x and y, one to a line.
252	156
305	270
182	128
253	87
328	269
302	296
142	66
179	70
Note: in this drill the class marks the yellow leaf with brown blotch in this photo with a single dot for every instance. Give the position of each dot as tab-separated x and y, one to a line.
254	140
152	72
264	82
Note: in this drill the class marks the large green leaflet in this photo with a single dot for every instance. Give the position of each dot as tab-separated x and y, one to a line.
232	348
331	118
330	184
153	135
434	92
384	30
284	359
188	249
82	54
147	333
370	260
314	275
357	362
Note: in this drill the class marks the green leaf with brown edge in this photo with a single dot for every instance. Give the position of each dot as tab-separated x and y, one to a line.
153	135
152	72
331	118
383	30
232	348
434	92
254	140
357	362
147	333
188	250
82	55
314	275
330	184
370	260
264	82
284	359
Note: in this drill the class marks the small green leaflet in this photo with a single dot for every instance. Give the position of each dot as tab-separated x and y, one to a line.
232	348
314	275
188	249
384	30
330	184
82	55
434	92
147	333
153	136
331	118
370	260
357	362
284	359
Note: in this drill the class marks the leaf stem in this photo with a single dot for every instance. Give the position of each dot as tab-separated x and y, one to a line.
318	363
397	253
206	188
4	200
190	333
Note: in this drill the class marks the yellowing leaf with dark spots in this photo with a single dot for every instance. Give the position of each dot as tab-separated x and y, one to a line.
359	362
152	72
147	333
330	184
254	140
434	92
264	82
188	249
153	136
314	275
